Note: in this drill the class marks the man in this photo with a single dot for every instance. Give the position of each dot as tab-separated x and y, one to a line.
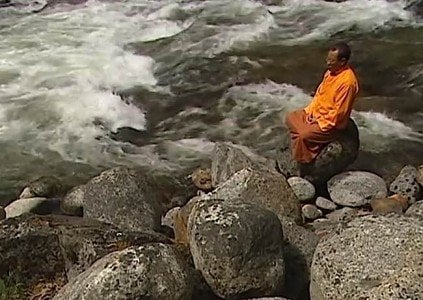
328	113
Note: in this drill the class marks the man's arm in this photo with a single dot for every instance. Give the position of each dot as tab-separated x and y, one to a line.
343	100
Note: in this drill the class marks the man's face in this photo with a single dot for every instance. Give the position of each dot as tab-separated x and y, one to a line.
332	61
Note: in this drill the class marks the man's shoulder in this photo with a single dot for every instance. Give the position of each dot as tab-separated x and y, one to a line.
350	77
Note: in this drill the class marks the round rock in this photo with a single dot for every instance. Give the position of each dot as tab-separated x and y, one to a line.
371	258
237	247
311	212
325	204
356	188
303	189
151	271
72	204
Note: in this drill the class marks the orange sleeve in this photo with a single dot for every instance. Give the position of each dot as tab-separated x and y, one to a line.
309	108
343	101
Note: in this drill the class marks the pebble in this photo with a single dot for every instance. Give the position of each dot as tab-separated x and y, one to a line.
311	212
325	203
303	189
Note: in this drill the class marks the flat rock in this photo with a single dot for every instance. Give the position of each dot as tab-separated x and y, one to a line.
73	202
325	204
125	197
356	188
151	271
370	258
406	184
311	212
416	210
237	247
268	189
333	158
39	206
303	189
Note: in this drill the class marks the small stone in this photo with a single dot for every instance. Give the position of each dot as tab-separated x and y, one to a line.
344	214
325	203
303	189
2	213
416	210
202	179
406	184
39	206
356	188
311	212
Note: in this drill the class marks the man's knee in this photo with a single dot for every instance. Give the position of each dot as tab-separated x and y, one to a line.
306	134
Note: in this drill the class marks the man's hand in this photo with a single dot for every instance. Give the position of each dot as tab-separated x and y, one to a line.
310	119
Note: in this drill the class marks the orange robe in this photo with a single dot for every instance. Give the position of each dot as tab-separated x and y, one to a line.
330	108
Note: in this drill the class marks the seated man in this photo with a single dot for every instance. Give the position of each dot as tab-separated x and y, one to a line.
328	113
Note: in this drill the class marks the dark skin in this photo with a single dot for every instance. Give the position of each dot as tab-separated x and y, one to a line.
334	64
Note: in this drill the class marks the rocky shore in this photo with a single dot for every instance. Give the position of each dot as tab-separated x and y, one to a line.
244	227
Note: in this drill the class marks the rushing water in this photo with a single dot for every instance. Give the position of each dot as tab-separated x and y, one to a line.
155	83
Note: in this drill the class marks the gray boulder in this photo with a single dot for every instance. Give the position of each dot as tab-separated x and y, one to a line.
303	189
311	212
356	188
151	271
268	189
41	248
45	187
416	210
325	204
39	206
238	248
124	197
406	184
73	202
333	158
227	159
371	258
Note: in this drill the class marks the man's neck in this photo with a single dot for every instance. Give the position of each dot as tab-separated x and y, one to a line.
333	73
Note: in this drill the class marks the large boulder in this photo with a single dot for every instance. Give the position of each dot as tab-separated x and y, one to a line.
40	248
356	188
333	158
406	184
238	248
125	197
371	258
39	206
268	189
151	271
227	159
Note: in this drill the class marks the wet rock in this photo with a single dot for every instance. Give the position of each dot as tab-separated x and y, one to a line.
393	204
325	204
46	187
299	247
406	184
356	188
268	189
227	159
238	248
151	271
39	206
73	202
383	263
303	189
202	179
124	197
38	248
2	213
169	217
311	212
416	210
333	158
